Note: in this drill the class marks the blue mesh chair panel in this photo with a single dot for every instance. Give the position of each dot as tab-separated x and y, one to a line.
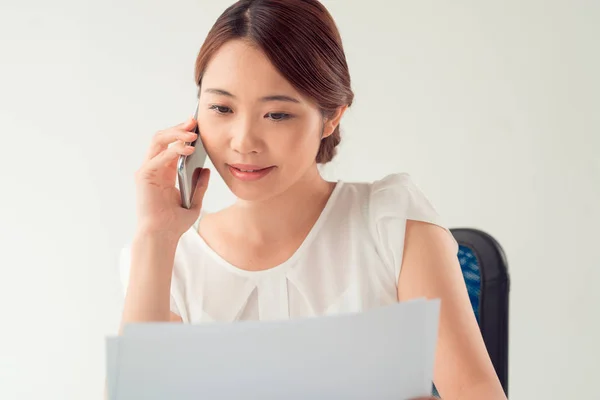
471	273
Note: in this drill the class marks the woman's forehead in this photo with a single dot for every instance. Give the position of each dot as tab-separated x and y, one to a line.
237	66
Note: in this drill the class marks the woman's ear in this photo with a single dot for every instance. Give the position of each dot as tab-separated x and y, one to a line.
331	123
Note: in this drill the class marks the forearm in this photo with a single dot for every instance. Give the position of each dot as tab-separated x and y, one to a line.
148	292
484	390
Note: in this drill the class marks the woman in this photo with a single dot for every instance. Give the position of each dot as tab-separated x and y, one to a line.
273	86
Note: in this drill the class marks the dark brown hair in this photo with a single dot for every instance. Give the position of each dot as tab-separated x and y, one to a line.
301	40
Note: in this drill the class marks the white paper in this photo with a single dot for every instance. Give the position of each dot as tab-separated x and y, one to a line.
112	357
383	353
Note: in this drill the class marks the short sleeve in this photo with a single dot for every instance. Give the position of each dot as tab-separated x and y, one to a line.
124	267
394	200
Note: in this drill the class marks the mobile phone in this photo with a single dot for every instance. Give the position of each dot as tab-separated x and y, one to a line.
189	167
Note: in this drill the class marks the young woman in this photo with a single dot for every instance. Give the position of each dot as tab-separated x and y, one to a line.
273	86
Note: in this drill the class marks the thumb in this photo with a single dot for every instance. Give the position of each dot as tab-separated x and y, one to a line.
201	187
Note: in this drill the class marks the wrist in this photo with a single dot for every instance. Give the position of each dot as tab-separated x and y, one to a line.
157	236
153	252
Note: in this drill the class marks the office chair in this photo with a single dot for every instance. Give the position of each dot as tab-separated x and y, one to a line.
485	271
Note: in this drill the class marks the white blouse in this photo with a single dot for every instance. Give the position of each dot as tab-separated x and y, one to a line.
349	262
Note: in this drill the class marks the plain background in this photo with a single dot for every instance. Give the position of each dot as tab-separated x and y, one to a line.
491	106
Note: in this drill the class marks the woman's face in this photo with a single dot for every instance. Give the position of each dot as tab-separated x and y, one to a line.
261	134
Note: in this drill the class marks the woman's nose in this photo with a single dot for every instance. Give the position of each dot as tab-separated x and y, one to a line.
244	139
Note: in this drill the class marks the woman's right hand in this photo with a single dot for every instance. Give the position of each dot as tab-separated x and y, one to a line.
159	206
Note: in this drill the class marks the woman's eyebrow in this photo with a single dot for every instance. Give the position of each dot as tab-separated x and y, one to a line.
277	97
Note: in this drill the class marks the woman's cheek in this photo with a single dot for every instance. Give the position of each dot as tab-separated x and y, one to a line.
210	141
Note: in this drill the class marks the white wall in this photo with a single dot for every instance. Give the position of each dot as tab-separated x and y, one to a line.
492	106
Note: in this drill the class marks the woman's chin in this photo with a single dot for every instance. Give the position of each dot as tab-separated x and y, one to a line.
253	190
257	188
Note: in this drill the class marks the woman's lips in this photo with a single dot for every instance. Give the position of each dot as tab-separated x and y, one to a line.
248	172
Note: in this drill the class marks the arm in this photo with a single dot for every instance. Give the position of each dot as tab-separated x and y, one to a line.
148	292
430	268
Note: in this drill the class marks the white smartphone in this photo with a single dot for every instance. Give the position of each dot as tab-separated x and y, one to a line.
189	167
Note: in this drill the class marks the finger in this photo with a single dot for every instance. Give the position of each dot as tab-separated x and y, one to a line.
169	156
161	140
182	132
201	187
187	124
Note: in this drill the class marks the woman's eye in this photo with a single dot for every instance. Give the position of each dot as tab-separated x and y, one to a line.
278	116
220	109
275	117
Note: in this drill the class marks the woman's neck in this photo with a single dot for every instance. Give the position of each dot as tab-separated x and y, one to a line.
292	212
